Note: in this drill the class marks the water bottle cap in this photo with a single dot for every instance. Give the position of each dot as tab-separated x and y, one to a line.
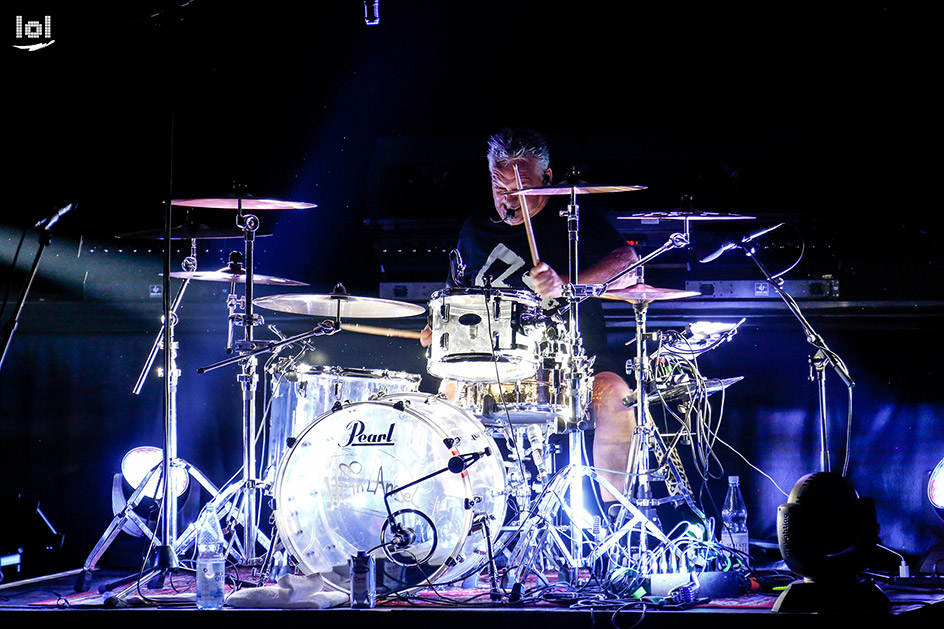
734	480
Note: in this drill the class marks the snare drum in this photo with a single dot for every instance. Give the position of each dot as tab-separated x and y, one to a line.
365	470
307	392
484	335
533	401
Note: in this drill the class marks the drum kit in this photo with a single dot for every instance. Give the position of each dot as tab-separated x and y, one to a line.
436	487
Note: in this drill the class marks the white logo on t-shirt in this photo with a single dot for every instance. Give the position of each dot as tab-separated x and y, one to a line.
506	256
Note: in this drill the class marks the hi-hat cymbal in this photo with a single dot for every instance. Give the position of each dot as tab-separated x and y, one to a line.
245	203
643	293
565	189
230	275
190	231
340	305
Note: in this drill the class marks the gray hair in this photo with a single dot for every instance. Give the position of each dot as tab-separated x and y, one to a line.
510	144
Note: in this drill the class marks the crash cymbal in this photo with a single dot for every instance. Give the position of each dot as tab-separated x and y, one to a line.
643	293
246	203
565	189
237	275
341	305
688	215
190	231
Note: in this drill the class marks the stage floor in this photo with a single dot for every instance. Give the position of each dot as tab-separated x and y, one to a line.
548	608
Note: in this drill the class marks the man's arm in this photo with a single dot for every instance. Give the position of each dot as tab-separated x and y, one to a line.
548	283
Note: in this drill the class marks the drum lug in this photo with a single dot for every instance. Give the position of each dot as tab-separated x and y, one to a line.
401	405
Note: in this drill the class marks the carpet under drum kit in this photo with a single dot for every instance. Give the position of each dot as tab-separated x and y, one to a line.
439	488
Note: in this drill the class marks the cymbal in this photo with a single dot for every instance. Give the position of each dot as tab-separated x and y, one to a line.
689	215
339	304
643	293
676	392
230	275
564	189
190	231
246	203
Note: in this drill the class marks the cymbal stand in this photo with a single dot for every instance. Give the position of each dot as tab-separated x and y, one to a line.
246	488
248	379
639	479
540	526
175	545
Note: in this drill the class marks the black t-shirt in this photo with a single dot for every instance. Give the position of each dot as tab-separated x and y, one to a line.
500	251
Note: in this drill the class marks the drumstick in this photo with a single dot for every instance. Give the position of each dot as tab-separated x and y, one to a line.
527	221
388	332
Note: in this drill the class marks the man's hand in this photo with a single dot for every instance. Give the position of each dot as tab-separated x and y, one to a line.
547	283
426	336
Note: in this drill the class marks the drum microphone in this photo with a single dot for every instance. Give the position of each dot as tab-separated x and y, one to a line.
727	246
536	439
460	462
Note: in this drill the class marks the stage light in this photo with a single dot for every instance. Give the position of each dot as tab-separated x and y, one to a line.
138	463
936	489
827	534
372	12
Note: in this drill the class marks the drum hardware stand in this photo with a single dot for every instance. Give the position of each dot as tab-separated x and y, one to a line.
536	531
247	486
172	545
645	436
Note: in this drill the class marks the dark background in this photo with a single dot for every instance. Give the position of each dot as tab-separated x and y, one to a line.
822	118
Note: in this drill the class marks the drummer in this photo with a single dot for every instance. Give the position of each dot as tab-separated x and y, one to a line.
495	251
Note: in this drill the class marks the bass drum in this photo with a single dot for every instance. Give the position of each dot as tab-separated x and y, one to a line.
409	478
306	392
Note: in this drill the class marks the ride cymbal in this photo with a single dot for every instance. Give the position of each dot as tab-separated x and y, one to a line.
245	203
230	275
643	293
338	304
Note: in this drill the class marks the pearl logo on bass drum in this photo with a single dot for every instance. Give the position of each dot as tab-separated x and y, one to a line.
357	436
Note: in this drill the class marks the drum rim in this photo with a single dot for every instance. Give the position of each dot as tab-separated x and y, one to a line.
522	293
354	372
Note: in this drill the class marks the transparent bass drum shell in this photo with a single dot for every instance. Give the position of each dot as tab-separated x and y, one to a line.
306	392
330	492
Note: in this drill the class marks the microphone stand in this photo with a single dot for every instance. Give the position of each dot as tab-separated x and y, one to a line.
822	357
9	328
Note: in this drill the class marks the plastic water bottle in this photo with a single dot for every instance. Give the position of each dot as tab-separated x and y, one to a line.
363	580
211	560
734	518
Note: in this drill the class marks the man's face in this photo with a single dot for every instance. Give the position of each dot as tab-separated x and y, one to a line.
504	181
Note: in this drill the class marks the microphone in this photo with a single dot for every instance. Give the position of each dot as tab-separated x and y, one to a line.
727	246
457	268
52	220
536	439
